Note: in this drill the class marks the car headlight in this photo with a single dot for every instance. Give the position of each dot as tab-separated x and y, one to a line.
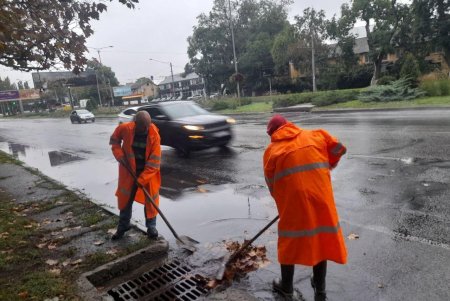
193	127
231	120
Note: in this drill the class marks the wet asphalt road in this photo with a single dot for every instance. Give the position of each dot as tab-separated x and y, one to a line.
391	189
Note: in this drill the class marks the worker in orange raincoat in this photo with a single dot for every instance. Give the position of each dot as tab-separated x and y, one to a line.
136	146
297	166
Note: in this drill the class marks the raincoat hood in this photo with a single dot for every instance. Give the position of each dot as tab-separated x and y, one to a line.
286	132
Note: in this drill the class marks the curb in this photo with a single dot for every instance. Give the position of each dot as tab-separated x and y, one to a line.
337	111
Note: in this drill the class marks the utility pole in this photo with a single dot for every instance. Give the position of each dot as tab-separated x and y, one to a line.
234	52
313	61
171	73
173	82
98	49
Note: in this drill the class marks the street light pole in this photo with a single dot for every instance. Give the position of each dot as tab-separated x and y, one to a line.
234	50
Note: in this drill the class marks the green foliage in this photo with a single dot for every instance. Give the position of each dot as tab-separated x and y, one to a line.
36	35
321	98
220	105
410	69
255	23
436	87
386	80
91	105
5	84
397	90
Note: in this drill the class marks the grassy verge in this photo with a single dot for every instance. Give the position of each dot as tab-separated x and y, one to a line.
437	101
256	107
35	261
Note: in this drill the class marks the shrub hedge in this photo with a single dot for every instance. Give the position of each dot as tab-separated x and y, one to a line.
320	98
439	87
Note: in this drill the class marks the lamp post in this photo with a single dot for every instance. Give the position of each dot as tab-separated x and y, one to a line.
234	50
98	49
171	72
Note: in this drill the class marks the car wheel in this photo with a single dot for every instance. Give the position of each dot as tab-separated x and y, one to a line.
79	120
71	120
93	120
183	152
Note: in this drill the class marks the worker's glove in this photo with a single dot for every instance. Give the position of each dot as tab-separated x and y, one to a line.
140	182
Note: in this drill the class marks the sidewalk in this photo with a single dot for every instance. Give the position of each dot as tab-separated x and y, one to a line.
50	235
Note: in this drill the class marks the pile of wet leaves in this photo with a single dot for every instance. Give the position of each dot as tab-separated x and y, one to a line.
248	260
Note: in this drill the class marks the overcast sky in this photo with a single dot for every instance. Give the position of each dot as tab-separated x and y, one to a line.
156	29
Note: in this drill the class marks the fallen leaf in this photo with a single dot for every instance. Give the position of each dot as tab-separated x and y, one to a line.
46	222
111	252
28	226
99	242
353	236
51	246
76	228
380	285
201	181
40	246
23	295
211	284
65	229
55	271
78	261
51	262
202	190
112	231
66	262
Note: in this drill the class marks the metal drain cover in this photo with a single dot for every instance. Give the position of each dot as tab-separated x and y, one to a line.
166	283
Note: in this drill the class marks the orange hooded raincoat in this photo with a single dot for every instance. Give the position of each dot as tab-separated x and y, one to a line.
297	167
121	143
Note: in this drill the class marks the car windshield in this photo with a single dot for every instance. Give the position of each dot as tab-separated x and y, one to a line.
83	112
180	110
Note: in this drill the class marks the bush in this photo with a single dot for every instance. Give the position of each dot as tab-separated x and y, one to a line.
410	69
436	87
91	105
397	90
321	98
220	105
246	101
386	80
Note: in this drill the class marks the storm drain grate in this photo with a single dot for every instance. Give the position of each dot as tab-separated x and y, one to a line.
166	283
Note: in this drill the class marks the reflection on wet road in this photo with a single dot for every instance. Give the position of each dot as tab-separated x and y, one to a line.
391	189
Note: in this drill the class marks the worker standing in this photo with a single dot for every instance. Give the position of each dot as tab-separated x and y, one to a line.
297	166
136	146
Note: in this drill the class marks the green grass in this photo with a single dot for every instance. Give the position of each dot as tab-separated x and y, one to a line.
256	107
437	101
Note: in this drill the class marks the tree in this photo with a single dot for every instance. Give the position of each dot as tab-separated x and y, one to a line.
188	68
6	85
38	34
20	85
431	27
256	23
339	30
280	51
410	69
312	32
383	21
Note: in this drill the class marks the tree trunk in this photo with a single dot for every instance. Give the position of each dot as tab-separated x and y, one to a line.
376	70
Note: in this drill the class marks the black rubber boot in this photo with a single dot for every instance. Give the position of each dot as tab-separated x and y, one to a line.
152	233
285	286
120	233
318	281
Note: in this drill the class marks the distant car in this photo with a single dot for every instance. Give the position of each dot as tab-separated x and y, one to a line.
186	127
81	116
128	114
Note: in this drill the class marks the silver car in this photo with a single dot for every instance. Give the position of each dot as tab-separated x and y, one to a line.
128	114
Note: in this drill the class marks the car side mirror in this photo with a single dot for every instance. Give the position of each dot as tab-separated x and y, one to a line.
161	117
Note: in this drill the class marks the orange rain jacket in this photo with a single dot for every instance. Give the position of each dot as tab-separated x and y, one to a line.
297	169
121	142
